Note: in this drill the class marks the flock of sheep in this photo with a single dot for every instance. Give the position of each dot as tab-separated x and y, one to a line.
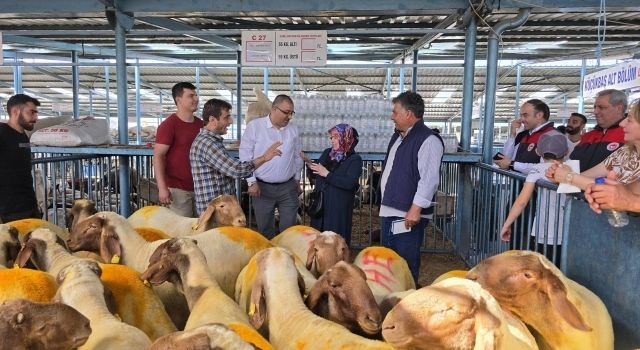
156	280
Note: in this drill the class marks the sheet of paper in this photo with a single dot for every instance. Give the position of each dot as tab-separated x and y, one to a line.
398	227
566	188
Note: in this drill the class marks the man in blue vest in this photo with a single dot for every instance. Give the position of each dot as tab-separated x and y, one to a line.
410	178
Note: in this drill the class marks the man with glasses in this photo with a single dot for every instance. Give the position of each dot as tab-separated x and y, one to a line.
276	184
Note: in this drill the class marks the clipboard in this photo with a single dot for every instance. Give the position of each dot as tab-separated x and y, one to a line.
398	226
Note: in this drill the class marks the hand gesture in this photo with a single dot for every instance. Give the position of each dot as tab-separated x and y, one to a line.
551	171
515	125
254	190
272	151
318	169
164	196
503	162
505	233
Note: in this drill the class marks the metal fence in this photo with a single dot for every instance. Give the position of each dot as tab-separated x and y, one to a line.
472	202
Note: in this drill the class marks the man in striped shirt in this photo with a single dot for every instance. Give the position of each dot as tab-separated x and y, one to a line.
214	170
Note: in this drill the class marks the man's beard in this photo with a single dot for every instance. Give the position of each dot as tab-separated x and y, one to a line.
572	131
22	121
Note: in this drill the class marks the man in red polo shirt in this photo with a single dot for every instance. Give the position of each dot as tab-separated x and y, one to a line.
171	152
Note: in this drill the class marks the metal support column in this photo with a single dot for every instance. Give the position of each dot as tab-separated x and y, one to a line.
516	109
265	81
468	83
491	80
107	95
198	81
17	75
239	116
414	72
123	133
389	83
583	72
401	78
136	75
292	81
75	79
91	102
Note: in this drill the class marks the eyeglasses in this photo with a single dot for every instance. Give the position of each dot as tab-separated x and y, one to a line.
287	113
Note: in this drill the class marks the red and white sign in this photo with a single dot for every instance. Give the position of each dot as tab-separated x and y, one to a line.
284	48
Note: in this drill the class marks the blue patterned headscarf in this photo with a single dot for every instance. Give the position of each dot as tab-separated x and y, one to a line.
348	141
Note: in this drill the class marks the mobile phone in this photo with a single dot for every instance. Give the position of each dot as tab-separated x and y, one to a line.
498	156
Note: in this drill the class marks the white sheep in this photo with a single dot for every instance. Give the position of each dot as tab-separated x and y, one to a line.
209	336
320	250
454	314
38	326
277	303
207	302
135	303
564	314
387	272
80	288
25	226
227	249
221	211
450	274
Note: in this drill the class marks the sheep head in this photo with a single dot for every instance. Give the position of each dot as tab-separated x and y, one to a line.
9	244
523	284
326	250
94	234
168	260
35	246
81	209
29	325
347	299
223	210
438	317
267	260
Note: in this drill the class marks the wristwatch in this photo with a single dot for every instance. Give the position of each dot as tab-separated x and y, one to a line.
250	183
569	178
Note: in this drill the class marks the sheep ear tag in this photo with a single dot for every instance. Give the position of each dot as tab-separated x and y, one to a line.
252	309
115	259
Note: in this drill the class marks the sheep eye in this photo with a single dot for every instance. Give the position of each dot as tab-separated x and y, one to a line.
527	275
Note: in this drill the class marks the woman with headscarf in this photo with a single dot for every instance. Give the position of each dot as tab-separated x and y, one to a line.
336	174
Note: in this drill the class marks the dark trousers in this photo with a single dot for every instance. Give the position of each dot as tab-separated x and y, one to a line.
34	213
407	244
282	196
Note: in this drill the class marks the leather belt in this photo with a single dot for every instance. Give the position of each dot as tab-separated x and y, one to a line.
274	183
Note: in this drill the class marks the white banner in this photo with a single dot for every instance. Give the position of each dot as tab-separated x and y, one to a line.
622	76
284	48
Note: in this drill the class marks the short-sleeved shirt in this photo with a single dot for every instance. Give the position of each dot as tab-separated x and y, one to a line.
549	203
179	136
625	161
16	183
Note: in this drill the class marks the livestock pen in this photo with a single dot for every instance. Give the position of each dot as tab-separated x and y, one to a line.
472	203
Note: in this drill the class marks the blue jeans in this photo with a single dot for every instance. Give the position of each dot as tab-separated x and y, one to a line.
407	244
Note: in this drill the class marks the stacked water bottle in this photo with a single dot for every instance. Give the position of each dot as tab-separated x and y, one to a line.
370	115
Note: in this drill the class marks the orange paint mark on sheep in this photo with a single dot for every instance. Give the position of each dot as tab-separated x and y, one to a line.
252	240
302	229
151	234
25	226
383	260
148	211
250	335
378	277
26	283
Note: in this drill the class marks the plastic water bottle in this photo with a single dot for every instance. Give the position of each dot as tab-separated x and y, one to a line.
616	218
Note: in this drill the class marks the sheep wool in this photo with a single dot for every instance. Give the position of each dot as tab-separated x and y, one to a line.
151	234
252	240
25	226
27	284
250	335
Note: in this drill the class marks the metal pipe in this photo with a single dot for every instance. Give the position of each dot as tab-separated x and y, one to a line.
292	81
239	116
198	81
516	110
107	95
583	72
17	76
136	78
467	85
75	78
414	71
388	83
491	80
265	81
123	134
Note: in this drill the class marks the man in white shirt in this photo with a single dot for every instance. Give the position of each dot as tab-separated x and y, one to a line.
276	184
575	127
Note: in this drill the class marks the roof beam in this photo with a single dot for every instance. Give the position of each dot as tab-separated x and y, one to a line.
446	23
215	77
171	24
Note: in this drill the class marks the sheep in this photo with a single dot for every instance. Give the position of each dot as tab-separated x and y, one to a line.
29	325
276	303
449	274
454	314
9	244
80	288
206	337
391	300
386	271
343	296
29	284
151	234
319	250
135	304
25	226
227	249
221	211
81	209
182	262
564	314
